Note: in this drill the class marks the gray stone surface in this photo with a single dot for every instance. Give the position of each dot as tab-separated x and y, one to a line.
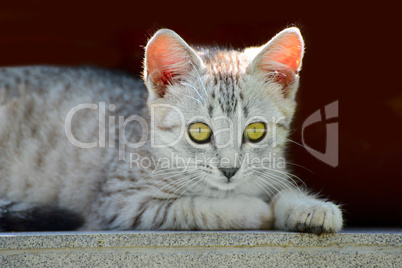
351	248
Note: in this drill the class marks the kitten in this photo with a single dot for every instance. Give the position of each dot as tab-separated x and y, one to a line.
200	147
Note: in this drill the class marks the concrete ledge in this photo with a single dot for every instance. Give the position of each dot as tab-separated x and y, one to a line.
351	248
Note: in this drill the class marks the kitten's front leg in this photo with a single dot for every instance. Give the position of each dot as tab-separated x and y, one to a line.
297	211
201	213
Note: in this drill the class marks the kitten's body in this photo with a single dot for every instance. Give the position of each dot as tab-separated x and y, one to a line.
40	166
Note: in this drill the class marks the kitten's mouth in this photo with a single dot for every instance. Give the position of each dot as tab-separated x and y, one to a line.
224	183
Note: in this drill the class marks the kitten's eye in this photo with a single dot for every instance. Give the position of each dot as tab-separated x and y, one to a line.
199	133
255	131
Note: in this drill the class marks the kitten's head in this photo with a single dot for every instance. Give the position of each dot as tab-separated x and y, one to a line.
223	115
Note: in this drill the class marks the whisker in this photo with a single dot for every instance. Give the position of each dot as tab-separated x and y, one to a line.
177	97
190	180
268	183
200	79
278	191
172	183
277	178
281	178
189	187
166	178
294	164
248	186
157	173
192	185
197	100
299	144
270	193
196	91
286	184
287	174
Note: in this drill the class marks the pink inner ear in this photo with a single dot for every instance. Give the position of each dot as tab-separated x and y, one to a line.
287	51
165	57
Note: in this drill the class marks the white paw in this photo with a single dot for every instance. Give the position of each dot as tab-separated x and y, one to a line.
314	217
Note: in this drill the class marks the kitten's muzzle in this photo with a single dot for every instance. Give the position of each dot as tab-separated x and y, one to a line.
229	172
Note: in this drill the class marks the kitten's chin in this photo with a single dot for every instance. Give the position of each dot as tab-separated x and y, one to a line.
223	185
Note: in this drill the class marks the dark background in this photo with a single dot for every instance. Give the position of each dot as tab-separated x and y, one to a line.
353	54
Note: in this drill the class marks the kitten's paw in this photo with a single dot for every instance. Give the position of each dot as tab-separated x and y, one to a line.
314	217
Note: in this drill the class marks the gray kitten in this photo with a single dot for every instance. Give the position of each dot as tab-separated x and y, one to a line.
200	147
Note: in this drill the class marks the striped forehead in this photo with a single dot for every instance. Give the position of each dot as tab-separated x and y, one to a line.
225	94
220	63
226	70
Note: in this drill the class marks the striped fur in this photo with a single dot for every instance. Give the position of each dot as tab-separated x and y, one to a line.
114	186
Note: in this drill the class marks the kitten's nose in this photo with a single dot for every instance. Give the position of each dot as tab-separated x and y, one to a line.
229	172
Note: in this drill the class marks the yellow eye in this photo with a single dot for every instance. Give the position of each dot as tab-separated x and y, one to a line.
255	131
199	132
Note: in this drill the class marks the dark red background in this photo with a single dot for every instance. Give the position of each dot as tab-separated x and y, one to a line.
353	55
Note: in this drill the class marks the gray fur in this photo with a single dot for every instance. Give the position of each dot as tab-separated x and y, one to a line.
223	89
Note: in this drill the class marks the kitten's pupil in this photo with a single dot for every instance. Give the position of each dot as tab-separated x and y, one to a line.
199	130
255	129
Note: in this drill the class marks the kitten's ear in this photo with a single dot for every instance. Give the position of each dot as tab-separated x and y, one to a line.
281	58
168	58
